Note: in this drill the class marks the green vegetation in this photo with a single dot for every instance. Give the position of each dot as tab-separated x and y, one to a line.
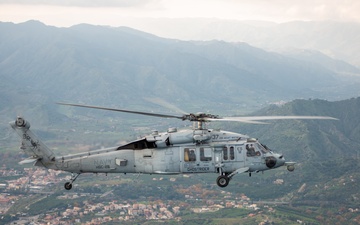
223	78
324	183
45	204
327	153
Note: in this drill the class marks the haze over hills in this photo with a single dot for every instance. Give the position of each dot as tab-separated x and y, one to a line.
118	67
121	67
331	138
327	152
339	40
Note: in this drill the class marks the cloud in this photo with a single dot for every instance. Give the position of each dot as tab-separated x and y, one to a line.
117	12
285	10
82	3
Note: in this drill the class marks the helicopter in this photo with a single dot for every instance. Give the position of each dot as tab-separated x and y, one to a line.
186	151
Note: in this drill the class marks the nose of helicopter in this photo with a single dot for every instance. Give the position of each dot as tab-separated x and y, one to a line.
280	160
275	160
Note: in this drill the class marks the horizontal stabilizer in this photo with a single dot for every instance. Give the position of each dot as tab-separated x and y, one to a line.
28	161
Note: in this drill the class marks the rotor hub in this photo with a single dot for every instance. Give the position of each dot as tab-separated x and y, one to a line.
200	116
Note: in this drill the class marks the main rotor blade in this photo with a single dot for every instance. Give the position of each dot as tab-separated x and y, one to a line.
260	118
166	104
234	119
207	118
123	110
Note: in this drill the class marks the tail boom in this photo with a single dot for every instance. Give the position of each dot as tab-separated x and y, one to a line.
38	152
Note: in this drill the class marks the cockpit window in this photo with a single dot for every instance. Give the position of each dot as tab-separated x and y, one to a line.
253	150
250	150
262	148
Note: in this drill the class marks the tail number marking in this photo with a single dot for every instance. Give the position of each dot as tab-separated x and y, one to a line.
33	143
102	163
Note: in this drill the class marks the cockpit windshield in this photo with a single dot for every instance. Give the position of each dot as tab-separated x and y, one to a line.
255	148
262	148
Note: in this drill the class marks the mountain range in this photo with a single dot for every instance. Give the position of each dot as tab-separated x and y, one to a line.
327	152
338	40
124	68
119	67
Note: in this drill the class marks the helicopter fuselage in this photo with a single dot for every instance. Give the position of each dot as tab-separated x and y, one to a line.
212	157
171	152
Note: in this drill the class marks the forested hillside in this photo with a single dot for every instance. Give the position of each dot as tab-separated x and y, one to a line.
327	152
119	67
122	67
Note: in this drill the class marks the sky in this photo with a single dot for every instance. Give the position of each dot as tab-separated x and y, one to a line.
65	13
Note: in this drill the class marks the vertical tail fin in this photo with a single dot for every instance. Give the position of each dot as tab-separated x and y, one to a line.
31	144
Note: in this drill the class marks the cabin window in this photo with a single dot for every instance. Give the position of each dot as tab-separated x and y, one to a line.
225	153
205	154
232	153
189	155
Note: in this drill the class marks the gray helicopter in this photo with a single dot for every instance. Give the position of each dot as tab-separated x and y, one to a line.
197	150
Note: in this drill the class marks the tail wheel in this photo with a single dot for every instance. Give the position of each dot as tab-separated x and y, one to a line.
68	185
222	181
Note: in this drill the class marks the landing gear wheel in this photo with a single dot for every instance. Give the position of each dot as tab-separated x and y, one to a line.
68	185
222	181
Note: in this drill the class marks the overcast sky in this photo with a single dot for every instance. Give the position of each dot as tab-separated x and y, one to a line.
115	12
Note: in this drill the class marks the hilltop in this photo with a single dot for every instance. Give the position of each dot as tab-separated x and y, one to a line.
119	67
327	152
